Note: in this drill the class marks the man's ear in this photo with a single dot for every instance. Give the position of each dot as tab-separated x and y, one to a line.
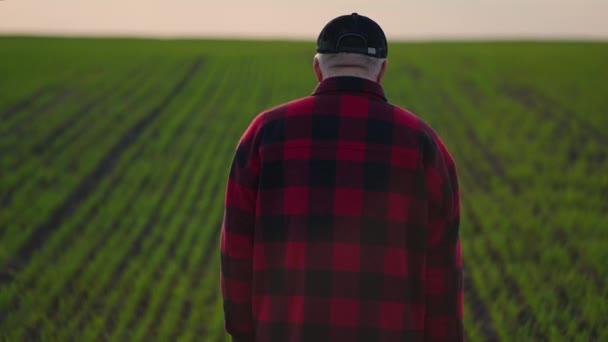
382	71
317	69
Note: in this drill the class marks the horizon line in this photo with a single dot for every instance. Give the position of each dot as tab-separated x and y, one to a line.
236	37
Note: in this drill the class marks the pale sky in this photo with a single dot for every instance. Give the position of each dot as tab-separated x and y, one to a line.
400	19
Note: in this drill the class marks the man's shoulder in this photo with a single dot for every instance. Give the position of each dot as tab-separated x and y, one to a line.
399	116
428	134
305	105
270	117
430	138
404	117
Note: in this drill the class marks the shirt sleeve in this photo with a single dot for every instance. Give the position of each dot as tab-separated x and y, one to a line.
236	241
444	281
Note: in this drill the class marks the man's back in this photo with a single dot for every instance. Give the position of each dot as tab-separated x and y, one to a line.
342	224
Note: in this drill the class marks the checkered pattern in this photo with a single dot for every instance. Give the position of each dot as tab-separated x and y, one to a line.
341	223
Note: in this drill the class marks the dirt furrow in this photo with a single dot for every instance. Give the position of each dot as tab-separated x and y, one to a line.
89	184
205	260
81	113
195	278
41	148
55	101
536	101
202	264
172	250
598	281
526	315
26	102
558	236
481	314
158	273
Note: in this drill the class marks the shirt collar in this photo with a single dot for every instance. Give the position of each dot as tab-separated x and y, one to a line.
350	84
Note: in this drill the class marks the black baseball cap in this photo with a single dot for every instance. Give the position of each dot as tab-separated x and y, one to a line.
355	34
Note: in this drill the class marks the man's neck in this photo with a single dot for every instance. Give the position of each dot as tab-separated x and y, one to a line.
352	74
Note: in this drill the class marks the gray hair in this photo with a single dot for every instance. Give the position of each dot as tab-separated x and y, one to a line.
349	64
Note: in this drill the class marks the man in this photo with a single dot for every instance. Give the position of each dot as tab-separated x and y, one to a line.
342	212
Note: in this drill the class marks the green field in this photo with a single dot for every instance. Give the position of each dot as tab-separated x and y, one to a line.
114	156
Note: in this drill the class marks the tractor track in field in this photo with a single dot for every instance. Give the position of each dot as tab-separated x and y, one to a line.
562	293
142	304
536	101
560	236
23	104
125	97
83	147
134	251
56	100
42	147
215	192
100	243
412	72
196	278
106	165
471	90
144	301
480	311
69	286
191	211
81	113
204	264
526	315
495	163
157	319
80	301
582	325
150	224
563	298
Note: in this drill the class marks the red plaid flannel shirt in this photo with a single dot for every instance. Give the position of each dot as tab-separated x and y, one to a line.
341	223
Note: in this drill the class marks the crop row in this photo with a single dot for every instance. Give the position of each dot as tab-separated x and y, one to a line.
114	168
513	251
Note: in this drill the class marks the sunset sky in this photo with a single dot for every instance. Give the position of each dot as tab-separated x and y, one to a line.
424	19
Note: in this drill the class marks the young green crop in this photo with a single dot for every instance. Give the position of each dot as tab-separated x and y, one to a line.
137	256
